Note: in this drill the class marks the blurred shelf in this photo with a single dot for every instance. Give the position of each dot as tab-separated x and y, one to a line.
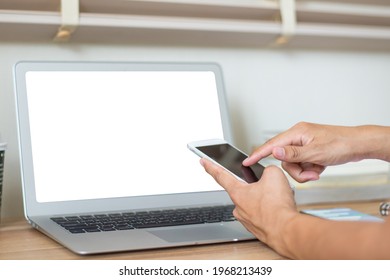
353	24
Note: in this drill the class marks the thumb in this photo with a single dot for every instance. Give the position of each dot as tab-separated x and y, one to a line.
275	178
291	153
274	175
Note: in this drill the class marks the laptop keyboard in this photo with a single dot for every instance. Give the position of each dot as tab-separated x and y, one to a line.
145	219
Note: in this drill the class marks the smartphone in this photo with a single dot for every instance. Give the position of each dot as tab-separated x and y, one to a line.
229	157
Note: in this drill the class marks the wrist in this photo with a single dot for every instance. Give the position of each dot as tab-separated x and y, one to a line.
282	240
372	142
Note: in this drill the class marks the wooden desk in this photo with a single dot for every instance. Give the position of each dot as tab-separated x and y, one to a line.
20	241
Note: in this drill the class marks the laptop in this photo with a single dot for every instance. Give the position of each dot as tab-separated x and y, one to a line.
104	162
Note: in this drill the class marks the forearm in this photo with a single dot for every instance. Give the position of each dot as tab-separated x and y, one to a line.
307	237
372	142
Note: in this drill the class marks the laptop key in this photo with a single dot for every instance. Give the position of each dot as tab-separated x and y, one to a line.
76	231
92	230
108	229
124	227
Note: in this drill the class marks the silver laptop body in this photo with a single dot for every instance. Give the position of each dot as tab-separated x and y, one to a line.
107	138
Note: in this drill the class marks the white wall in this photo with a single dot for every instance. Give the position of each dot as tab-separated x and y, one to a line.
268	90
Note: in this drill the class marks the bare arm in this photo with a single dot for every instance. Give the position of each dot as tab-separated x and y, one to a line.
307	149
308	237
267	209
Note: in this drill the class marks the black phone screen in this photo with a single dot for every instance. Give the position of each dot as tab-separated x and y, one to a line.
230	158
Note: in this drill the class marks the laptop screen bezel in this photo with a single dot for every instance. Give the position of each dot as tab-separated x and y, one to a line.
34	208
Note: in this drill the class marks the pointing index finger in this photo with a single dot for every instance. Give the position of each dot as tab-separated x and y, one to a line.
283	139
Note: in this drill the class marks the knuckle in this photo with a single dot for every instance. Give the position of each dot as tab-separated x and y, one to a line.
236	214
272	168
294	152
218	174
303	125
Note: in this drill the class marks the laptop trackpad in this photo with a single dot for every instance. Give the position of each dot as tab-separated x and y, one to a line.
209	232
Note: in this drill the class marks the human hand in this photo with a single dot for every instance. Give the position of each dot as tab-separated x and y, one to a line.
264	207
307	149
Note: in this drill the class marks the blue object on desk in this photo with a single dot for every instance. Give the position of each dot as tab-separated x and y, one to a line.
341	214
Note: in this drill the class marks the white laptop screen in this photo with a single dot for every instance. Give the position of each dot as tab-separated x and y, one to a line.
100	134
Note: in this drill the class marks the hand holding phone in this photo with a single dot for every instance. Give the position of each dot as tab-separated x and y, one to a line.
228	157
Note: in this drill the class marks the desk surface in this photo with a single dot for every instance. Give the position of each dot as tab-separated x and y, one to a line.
18	240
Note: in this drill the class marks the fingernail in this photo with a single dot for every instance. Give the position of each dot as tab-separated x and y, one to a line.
201	162
279	153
